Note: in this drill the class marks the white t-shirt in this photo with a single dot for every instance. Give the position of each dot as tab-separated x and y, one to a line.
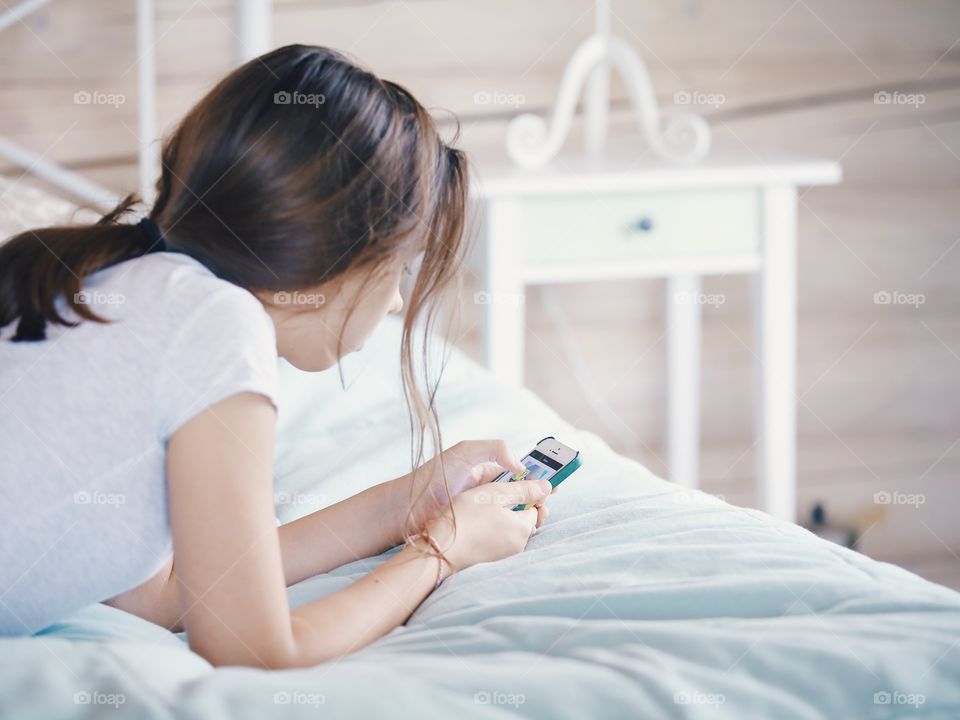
85	416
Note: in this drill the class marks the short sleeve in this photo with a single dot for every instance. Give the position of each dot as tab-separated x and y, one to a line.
227	345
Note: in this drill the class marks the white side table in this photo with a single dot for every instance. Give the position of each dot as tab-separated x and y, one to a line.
577	220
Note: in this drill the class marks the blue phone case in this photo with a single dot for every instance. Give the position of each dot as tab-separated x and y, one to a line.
561	474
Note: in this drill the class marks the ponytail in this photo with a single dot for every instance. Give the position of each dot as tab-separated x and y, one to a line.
37	267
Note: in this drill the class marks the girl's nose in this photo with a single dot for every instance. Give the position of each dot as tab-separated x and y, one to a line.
397	303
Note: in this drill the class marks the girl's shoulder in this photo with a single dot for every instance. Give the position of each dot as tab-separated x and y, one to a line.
170	291
206	337
167	280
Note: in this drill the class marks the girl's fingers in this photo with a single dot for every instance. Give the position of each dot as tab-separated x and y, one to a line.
488	472
529	518
475	452
542	514
521	492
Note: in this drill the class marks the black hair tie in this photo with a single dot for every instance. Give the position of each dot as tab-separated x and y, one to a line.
151	231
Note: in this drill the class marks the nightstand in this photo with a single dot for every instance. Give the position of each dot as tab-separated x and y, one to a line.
578	220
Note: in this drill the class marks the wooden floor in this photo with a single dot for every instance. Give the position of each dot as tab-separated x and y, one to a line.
879	385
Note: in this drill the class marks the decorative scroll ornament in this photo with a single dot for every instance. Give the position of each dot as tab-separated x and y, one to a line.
531	143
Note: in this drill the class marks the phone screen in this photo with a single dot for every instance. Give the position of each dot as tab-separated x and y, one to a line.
538	465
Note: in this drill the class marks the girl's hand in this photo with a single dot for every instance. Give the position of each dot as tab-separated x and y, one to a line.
468	464
487	527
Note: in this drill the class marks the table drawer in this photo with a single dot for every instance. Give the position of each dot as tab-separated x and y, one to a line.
559	230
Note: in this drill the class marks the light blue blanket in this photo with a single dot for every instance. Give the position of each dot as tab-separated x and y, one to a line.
636	599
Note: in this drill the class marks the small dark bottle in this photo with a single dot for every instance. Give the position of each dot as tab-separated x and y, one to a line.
842	535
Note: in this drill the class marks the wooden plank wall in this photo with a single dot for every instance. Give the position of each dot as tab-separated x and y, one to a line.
879	384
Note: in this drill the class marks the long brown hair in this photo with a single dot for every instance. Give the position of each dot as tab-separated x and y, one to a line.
298	166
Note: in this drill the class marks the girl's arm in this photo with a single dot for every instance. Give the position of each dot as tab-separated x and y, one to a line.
229	567
358	527
361	526
376	520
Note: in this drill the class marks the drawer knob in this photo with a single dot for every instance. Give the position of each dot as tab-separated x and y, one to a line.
643	224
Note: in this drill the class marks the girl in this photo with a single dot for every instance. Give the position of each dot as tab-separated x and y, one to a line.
138	375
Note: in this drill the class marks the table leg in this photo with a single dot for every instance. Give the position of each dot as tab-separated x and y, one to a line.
683	379
501	295
776	339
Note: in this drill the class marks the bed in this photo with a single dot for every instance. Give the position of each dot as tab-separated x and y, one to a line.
636	598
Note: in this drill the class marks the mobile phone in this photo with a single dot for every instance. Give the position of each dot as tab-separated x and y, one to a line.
549	460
